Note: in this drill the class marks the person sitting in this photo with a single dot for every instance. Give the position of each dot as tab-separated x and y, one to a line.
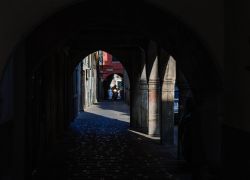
115	92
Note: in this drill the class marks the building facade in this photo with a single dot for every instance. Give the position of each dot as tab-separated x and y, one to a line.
85	84
111	72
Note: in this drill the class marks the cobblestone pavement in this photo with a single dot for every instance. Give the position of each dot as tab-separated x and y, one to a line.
100	146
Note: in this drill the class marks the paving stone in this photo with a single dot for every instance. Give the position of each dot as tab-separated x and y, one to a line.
99	146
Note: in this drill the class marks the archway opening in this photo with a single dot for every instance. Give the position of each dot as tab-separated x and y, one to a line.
111	84
98	77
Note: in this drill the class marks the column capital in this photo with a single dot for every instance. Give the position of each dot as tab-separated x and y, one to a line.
154	84
168	81
143	85
168	85
154	81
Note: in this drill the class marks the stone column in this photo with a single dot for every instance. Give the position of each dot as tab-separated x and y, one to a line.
21	123
144	101
153	93
137	106
167	107
184	93
134	108
135	98
126	88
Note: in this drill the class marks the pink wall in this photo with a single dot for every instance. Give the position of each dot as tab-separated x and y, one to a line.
110	67
107	58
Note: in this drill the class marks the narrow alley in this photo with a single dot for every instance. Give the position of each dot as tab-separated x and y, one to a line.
101	90
100	145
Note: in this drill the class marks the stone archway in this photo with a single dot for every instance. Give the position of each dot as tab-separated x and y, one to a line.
167	101
51	49
107	82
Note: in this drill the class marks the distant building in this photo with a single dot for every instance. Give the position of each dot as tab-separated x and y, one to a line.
111	72
108	65
85	83
94	76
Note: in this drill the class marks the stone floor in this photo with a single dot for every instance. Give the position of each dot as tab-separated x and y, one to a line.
99	145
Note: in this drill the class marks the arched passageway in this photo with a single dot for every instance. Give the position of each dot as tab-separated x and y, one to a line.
48	57
108	83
